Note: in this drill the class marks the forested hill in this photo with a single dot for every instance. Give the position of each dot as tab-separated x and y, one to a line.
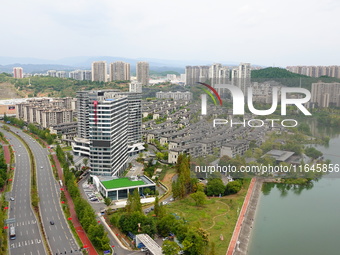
275	72
287	78
39	86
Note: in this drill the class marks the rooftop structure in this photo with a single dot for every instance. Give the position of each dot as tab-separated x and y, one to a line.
120	188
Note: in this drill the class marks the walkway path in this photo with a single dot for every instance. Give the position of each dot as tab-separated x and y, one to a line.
80	231
248	220
214	222
6	153
234	242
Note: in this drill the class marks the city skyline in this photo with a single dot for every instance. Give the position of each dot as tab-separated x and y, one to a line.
264	33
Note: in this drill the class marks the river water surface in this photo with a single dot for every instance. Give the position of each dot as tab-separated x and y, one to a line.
300	221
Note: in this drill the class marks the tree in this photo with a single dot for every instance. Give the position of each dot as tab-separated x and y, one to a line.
224	160
233	187
130	222
156	208
107	201
199	198
313	153
215	187
85	161
147	191
159	155
166	225
194	243
170	248
133	202
161	211
70	157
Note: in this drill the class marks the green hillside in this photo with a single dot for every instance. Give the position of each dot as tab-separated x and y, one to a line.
275	72
56	87
287	78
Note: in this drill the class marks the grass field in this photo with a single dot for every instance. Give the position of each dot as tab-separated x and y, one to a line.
218	216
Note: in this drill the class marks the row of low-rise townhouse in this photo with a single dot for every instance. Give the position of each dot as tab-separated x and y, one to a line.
239	147
155	134
162	108
214	140
178	95
200	138
68	130
233	148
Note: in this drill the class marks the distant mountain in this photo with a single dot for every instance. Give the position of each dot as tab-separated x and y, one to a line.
13	60
35	68
72	63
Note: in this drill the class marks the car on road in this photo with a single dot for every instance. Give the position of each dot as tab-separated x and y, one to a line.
51	222
171	199
12	198
164	203
41	167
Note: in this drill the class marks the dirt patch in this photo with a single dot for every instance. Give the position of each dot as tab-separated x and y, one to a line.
8	91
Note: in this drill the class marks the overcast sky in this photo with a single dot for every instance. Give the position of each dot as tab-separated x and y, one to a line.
264	32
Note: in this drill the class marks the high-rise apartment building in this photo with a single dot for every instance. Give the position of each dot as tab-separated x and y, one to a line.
326	94
81	75
142	72
218	74
120	71
240	76
316	71
135	86
99	71
52	73
61	74
196	74
109	129
46	112
18	72
108	119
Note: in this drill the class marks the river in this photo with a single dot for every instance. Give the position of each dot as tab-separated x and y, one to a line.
300	221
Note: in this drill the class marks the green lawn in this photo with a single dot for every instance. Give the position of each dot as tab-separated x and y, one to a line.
121	182
218	216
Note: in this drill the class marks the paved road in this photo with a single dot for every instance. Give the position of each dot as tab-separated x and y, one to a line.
60	239
28	237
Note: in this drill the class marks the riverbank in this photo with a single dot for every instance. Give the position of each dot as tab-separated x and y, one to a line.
239	241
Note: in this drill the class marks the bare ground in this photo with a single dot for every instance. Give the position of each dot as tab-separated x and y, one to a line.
8	91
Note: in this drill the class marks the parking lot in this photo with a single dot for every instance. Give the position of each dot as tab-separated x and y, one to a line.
92	195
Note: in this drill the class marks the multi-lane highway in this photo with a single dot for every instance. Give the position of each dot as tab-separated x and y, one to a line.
59	236
28	239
